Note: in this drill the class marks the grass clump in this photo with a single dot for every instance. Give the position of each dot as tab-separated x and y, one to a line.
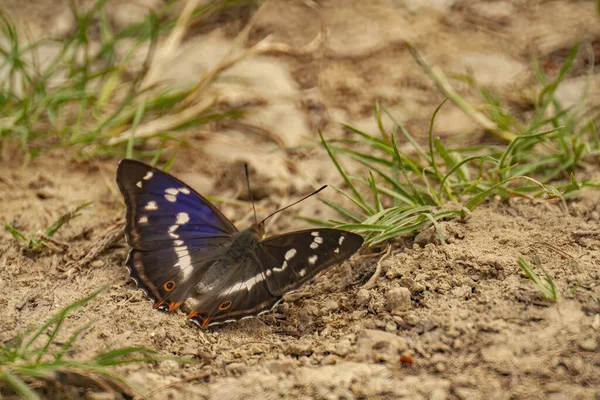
100	91
38	241
545	284
38	358
422	185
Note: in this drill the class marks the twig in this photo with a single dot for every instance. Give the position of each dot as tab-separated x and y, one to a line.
371	282
107	238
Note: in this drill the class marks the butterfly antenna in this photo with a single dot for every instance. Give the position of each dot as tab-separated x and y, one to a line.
294	203
250	192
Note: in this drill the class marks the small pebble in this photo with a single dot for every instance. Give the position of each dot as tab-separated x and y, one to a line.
589	344
99	396
398	299
363	297
236	368
331	305
438	358
331	359
418	288
391	326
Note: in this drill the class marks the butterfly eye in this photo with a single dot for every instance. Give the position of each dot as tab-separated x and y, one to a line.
169	286
225	305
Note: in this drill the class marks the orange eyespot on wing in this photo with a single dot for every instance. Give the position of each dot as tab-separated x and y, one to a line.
169	286
205	322
192	314
225	305
173	306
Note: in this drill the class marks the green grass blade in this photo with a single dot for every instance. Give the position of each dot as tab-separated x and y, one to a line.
60	317
431	159
408	136
438	229
15	232
357	195
464	162
115	357
20	387
136	121
52	229
67	346
417	198
375	192
382	131
343	211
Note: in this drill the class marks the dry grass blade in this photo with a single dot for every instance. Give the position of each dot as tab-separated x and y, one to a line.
163	124
440	79
166	51
373	279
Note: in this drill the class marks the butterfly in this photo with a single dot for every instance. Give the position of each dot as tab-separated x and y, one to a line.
183	247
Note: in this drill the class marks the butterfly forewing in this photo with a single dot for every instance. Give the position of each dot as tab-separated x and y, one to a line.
295	258
161	209
173	231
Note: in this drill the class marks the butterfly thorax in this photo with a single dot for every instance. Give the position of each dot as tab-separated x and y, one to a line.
246	241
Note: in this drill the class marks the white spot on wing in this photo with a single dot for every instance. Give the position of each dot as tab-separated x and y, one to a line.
172	230
143	220
313	259
171	198
290	254
302	272
282	268
172	191
185	261
341	240
337	250
151	206
318	239
148	175
182	218
248	284
139	184
177	242
184	190
314	245
315	233
268	272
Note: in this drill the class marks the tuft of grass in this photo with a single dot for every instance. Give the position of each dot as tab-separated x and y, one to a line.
94	95
545	284
406	190
37	357
37	242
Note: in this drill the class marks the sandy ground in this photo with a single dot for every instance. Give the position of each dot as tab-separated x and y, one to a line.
458	321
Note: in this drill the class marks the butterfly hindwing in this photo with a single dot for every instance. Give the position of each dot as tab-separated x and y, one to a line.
168	275
242	293
295	258
173	231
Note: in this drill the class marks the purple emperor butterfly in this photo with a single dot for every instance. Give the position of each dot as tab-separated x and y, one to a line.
183	247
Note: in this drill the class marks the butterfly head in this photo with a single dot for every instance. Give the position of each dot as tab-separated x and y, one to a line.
259	229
